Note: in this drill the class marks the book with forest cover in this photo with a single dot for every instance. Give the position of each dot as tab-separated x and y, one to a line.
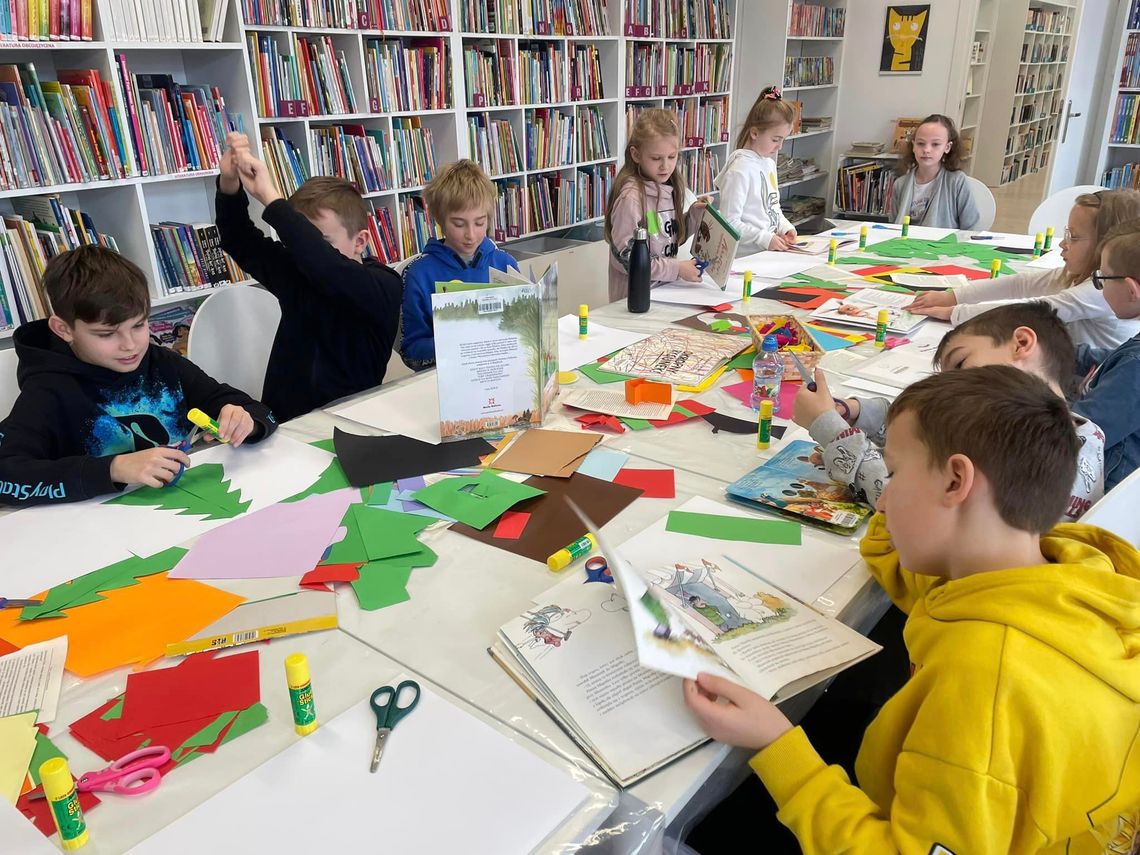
496	350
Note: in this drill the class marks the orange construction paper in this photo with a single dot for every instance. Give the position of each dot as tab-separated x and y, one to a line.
132	626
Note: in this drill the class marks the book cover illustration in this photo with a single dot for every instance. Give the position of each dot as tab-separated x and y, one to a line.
684	357
714	246
862	308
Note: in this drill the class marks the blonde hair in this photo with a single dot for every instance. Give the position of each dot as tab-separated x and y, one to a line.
1124	242
651	124
333	194
460	186
768	112
1113	208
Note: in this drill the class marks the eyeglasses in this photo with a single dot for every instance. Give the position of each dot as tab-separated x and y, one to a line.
1098	280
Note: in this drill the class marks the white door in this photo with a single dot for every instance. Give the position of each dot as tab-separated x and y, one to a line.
1086	65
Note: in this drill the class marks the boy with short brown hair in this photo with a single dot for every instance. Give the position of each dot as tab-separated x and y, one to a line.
340	312
1016	731
99	409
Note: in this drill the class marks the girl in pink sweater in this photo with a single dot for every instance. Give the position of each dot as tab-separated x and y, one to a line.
649	191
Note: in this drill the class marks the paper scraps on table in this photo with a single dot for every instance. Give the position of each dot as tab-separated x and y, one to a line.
477	501
17	745
387	534
594	371
369	460
653	483
612	404
537	451
130	626
598	421
320	576
32	678
682	412
203	489
511	525
717	527
381	584
731	424
552	523
784	406
333	478
286	539
603	463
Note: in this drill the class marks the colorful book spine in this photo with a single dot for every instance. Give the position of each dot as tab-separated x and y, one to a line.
490	70
45	20
592	190
287	165
417	226
586	73
509	208
190	257
817	21
541	78
809	71
418	15
546	206
353	153
493	144
415	152
549	139
644	70
407	75
382	242
322	72
699	168
593	139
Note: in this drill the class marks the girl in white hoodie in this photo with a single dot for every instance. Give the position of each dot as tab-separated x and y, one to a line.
749	191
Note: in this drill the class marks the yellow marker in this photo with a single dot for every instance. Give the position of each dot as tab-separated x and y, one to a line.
906	226
862	238
565	378
200	419
832	250
995	268
583	319
301	693
764	426
881	322
747	285
63	801
1048	238
564	557
1038	242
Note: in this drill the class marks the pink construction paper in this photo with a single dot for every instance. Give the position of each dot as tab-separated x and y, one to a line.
286	539
788	391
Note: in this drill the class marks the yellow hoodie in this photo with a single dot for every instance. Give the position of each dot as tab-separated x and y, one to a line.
1019	729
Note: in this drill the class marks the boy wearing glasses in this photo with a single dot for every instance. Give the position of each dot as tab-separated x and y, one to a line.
1068	289
1112	392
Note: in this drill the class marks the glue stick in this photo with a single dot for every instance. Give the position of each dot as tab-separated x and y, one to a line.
764	426
862	238
832	249
747	285
300	693
63	800
995	268
881	328
1048	239
1038	243
906	226
583	320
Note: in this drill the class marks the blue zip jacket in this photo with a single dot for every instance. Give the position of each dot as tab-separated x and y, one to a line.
1113	402
439	263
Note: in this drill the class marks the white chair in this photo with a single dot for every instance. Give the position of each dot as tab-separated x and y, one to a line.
1117	510
1054	211
984	199
232	334
8	388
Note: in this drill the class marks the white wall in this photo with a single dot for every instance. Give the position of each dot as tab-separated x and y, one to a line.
870	103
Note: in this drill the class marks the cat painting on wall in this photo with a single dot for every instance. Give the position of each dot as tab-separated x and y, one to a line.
904	39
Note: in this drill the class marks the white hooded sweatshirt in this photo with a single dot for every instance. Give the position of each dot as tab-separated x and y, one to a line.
750	199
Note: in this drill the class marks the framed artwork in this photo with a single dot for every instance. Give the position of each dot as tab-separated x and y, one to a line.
904	39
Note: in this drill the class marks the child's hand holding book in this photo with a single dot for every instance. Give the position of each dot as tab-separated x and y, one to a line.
746	720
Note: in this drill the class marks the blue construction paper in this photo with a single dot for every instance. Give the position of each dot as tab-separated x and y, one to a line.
829	342
603	463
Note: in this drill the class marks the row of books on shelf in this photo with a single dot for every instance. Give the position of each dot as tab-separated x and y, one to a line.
1133	21
678	19
417	226
560	199
160	20
1047	22
416	15
382	241
540	72
311	80
190	257
552	139
509	211
656	70
549	139
74	130
31	20
1024	165
490	75
699	168
809	71
407	74
354	153
789	169
493	145
1124	124
702	123
535	17
1130	67
1032	82
1036	135
1040	52
809	19
287	164
586	73
864	188
1124	177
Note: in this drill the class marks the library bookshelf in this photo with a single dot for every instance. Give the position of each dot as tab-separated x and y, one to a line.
977	75
1118	153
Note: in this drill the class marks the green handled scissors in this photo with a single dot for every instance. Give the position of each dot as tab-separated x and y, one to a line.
385	702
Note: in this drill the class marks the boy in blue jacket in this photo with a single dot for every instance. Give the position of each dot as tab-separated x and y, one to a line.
462	200
1112	394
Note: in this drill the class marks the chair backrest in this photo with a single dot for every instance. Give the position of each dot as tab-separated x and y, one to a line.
8	388
984	199
1054	211
1116	511
232	334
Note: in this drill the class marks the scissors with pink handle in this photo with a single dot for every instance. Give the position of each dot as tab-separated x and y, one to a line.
131	775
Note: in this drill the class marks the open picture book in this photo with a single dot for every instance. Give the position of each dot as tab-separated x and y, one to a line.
862	308
605	658
714	245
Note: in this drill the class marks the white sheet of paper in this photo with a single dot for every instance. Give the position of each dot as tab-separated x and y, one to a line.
600	341
613	404
703	293
874	235
1013	241
30	679
447	782
868	302
898	368
771	265
1049	261
20	836
411	409
925	280
858	384
916	232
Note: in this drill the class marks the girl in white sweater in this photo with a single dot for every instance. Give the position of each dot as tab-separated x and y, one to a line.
1069	289
749	191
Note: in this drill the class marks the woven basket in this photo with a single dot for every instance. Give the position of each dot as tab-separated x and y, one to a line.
809	358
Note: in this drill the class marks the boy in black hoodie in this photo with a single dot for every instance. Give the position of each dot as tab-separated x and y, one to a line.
339	312
99	409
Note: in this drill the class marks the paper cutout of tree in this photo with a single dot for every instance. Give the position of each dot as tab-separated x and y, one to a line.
202	490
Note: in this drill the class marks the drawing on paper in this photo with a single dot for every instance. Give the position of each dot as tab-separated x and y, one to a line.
550	627
904	39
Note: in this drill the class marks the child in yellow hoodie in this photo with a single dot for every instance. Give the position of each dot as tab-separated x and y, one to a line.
1019	728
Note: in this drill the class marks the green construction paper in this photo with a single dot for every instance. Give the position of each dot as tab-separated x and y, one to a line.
351	549
45	750
252	716
333	478
478	501
804	279
717	527
377	494
209	734
243	722
635	424
858	261
901	289
381	584
594	371
742	360
324	445
86	589
720	326
200	490
116	711
386	534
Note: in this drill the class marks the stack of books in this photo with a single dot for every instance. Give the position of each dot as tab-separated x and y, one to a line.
190	257
353	153
800	208
415	152
407	75
593	141
156	20
27	20
493	145
490	74
541	80
549	139
285	161
790	168
382	243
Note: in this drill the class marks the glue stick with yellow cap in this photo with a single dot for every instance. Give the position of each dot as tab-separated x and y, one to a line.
199	419
301	693
764	425
63	801
563	558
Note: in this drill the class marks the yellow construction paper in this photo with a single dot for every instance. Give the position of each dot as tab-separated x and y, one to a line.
705	384
17	744
132	626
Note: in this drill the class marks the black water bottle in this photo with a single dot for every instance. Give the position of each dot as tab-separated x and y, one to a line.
638	298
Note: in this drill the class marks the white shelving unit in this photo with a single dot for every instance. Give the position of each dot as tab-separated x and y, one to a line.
1118	157
977	75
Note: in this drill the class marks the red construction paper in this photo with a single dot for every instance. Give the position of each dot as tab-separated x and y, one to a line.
6	648
675	418
821	296
511	525
654	483
598	421
330	573
723	307
104	738
875	270
38	812
195	690
952	269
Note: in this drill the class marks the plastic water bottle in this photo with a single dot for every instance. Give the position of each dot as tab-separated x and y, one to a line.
637	300
767	373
